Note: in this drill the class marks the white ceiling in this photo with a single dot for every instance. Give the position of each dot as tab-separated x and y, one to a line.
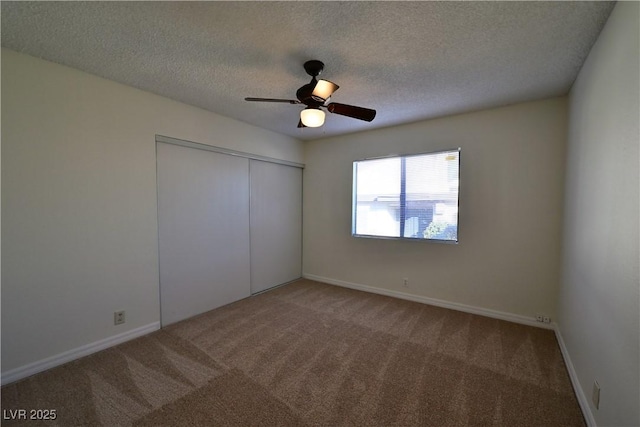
408	60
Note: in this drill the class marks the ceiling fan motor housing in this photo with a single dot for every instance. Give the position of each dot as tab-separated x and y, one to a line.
305	93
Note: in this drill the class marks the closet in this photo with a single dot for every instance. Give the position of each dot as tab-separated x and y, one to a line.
229	225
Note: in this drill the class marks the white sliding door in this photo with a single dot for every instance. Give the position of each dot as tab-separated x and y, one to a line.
203	217
276	224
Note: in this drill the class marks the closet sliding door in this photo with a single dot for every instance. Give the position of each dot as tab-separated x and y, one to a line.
204	243
276	224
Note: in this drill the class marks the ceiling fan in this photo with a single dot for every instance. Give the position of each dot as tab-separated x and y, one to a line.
315	95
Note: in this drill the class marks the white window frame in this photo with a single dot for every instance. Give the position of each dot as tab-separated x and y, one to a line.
402	200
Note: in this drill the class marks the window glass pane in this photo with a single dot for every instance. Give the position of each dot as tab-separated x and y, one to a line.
432	196
377	197
413	197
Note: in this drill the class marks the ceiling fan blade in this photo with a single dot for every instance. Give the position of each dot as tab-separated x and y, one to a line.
287	101
300	124
361	113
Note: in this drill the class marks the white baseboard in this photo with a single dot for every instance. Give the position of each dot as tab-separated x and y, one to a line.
577	388
76	353
510	317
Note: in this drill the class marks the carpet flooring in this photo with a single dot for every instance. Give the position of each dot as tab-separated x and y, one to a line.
311	354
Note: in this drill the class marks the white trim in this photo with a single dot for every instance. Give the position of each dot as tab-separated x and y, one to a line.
577	388
227	151
510	317
76	353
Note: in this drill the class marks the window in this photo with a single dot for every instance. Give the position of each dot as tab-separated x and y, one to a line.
411	197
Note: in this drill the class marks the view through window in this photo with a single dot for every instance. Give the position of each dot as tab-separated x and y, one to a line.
413	197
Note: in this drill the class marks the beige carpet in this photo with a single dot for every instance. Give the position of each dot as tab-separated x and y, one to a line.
310	354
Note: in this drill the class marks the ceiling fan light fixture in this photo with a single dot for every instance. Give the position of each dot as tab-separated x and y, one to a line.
323	90
312	117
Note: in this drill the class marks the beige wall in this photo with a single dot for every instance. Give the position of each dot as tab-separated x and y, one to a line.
79	216
511	190
599	316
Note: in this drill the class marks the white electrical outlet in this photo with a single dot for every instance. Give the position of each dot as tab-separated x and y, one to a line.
405	282
595	395
539	317
118	317
546	319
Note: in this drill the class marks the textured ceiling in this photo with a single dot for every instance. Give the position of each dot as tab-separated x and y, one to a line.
408	60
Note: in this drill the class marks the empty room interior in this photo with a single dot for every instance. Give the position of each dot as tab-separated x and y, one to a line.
320	213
